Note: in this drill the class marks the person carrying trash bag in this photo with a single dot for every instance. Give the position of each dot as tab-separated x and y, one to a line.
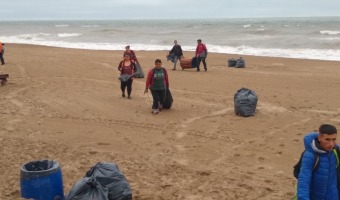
201	54
127	70
175	54
133	58
158	83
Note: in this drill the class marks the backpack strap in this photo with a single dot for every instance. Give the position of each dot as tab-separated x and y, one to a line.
316	161
336	152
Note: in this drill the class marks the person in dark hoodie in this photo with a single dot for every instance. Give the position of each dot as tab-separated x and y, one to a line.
2	52
158	82
320	182
177	53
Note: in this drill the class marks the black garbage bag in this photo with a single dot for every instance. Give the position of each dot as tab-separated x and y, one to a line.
232	62
240	63
245	101
194	62
88	188
168	100
139	73
109	176
104	181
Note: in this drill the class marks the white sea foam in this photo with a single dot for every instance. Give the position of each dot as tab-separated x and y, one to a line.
327	32
328	38
319	54
247	26
89	26
29	37
61	25
69	34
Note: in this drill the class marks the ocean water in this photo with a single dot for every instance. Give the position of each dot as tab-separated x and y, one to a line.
308	38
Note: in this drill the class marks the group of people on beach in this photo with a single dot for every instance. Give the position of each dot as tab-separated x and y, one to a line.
200	54
157	78
319	167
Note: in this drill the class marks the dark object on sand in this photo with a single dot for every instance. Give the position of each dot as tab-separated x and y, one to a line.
168	100
232	62
245	102
41	180
104	181
3	78
240	63
189	63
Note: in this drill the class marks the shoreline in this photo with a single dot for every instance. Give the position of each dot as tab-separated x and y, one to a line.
187	51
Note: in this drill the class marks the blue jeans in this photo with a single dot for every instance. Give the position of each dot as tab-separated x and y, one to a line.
175	60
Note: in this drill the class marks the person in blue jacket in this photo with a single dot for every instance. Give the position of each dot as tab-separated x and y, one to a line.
320	183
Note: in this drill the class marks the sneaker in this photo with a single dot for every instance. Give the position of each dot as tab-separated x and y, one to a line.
123	95
160	108
205	69
173	69
198	69
155	111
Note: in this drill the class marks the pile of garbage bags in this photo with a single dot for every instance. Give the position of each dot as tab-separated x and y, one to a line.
104	181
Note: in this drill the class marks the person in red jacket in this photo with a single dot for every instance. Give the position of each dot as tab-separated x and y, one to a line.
127	69
201	54
131	53
158	82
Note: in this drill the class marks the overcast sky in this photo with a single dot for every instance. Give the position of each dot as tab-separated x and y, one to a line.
163	9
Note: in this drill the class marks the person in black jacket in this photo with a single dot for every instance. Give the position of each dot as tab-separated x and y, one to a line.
176	53
2	52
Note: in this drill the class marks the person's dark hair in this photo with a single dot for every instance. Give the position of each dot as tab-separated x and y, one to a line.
158	61
327	129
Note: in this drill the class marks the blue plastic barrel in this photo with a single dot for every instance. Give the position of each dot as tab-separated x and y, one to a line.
41	180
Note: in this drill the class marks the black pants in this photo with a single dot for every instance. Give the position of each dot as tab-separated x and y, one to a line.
158	98
2	58
199	62
128	85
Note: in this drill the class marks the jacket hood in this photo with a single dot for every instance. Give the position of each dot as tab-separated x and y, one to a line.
310	142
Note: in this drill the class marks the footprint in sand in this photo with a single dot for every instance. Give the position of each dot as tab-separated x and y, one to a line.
182	161
180	148
180	134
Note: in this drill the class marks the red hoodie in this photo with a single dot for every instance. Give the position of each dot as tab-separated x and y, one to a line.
200	49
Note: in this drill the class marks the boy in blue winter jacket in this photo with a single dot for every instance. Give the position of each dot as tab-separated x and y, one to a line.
320	183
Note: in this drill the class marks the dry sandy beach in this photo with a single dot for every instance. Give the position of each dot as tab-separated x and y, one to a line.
66	105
